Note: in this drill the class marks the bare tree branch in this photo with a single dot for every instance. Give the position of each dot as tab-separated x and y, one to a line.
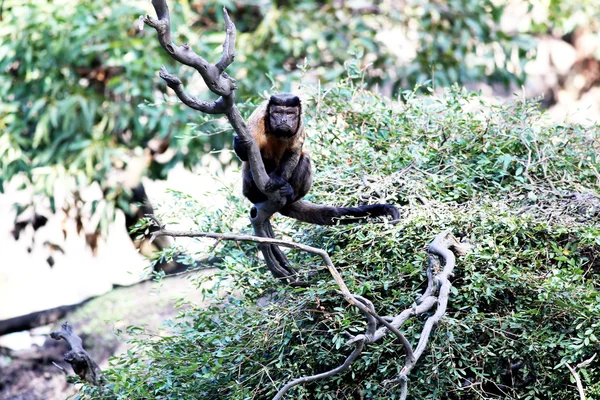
577	381
228	45
83	365
220	83
358	347
38	318
306	379
350	298
442	246
215	107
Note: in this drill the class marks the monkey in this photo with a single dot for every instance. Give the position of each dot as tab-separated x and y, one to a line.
278	130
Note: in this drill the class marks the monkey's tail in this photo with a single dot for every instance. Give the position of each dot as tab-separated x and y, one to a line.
327	215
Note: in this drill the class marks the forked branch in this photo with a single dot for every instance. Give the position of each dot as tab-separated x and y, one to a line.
441	251
220	83
216	107
215	77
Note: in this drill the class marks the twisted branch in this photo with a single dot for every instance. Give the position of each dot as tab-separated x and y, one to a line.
442	246
441	249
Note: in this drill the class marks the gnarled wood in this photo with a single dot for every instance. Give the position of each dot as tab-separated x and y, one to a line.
83	364
220	83
441	250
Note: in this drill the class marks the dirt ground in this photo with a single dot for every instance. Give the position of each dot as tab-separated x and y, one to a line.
29	374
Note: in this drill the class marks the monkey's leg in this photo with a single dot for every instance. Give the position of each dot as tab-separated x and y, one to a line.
276	261
275	249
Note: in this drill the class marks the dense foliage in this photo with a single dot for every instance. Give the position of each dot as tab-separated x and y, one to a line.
77	74
73	78
523	191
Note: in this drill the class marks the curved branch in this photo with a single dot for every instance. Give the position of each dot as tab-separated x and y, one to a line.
228	44
577	381
262	240
358	347
350	298
306	379
371	320
216	107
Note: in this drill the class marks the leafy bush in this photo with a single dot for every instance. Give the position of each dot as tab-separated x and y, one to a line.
75	72
524	191
403	43
73	76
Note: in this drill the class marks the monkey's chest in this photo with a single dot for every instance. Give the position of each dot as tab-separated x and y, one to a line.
270	164
272	154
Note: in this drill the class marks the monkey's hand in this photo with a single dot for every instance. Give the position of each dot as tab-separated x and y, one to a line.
277	182
287	191
239	146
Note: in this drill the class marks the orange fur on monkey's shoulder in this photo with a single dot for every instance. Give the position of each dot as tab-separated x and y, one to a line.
271	147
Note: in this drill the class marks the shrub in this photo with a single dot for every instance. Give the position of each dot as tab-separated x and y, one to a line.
524	302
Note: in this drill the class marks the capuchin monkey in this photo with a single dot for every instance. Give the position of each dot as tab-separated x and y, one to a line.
278	130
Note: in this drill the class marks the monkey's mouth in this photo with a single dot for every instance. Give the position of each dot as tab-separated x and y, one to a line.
285	130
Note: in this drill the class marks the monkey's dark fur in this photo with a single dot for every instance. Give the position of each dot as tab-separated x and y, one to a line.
278	130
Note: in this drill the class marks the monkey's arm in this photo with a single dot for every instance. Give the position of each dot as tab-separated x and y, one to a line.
280	177
240	149
287	165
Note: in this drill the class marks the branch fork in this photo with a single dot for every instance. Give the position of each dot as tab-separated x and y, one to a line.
220	83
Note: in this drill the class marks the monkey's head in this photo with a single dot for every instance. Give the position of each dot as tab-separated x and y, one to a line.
284	115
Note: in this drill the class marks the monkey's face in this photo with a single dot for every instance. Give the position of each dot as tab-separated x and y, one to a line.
284	121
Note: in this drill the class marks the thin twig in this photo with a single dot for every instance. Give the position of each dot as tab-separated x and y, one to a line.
577	381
